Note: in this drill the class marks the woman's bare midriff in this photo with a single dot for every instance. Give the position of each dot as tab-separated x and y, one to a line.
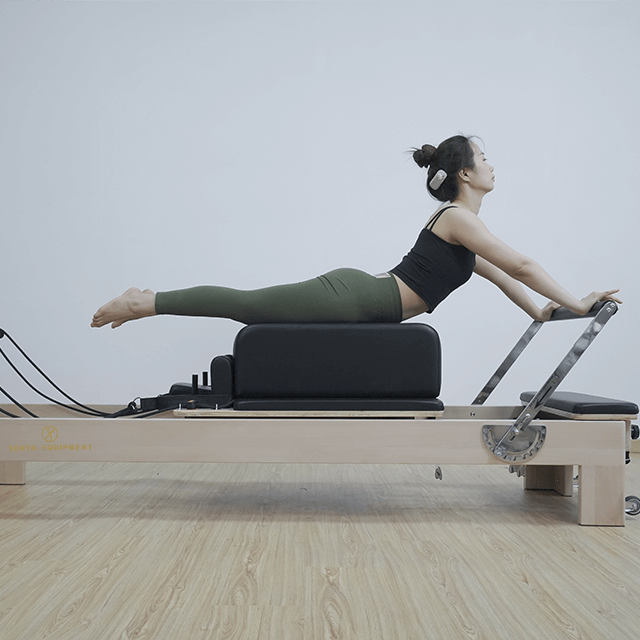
412	303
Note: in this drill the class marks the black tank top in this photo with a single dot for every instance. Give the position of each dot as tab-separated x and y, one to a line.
435	267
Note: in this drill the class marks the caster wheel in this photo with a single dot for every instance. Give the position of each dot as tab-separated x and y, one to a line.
633	505
438	473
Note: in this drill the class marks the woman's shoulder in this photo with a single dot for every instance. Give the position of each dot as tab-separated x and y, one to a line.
451	215
448	220
459	216
438	213
450	210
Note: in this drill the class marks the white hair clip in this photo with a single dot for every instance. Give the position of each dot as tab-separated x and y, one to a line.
438	179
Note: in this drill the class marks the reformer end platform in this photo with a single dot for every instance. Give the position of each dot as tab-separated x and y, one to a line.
582	406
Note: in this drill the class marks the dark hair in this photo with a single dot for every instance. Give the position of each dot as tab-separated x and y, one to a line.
452	155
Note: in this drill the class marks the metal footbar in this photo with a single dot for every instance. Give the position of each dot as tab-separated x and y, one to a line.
521	441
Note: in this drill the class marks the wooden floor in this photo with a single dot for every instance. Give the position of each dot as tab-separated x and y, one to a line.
209	551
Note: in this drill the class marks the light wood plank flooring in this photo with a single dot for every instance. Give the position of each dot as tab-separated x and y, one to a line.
275	552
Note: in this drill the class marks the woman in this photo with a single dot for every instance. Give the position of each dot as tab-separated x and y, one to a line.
454	244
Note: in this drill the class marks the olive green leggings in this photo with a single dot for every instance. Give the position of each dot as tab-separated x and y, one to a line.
343	295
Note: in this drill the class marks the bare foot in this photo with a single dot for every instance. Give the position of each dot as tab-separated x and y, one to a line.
131	305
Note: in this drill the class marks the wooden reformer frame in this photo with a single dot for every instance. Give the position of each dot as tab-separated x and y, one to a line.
547	446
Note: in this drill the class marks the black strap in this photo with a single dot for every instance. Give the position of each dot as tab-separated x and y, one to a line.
437	216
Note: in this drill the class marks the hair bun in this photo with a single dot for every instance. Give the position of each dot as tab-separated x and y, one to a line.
423	155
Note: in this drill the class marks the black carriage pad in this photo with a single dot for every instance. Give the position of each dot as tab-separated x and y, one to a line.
338	366
341	405
584	404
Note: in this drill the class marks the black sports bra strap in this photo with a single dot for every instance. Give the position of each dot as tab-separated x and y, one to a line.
437	216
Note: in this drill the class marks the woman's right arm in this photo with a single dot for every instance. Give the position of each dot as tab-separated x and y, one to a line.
467	229
513	290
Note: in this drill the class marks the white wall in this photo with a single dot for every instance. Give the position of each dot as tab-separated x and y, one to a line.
166	145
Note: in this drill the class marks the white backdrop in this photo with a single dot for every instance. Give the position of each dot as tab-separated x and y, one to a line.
166	145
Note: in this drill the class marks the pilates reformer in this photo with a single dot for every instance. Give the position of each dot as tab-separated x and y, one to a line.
354	393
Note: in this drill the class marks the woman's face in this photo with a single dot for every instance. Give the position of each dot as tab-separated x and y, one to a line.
482	174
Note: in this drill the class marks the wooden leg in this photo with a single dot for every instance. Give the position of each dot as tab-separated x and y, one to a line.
602	496
550	478
13	472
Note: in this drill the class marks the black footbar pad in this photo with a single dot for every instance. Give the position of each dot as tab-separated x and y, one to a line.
584	404
338	361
